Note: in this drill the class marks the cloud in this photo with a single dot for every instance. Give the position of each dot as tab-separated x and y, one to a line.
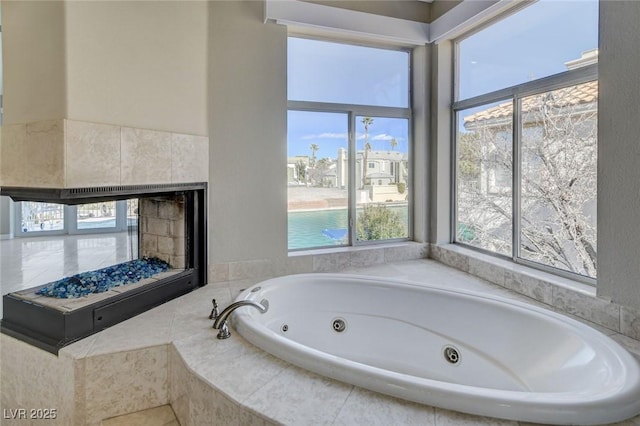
380	137
326	136
383	137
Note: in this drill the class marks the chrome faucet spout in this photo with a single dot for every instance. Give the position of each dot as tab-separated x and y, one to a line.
220	322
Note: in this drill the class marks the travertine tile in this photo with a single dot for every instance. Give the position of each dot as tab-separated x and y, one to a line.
331	262
449	257
189	158
44	146
487	271
32	378
126	382
631	345
158	416
529	286
225	411
146	156
630	322
147	330
454	418
13	155
270	390
11	366
250	269
179	377
92	154
201	397
588	307
368	408
219	362
249	418
299	264
301	390
366	257
406	251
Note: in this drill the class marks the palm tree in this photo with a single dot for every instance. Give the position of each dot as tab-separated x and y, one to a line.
314	148
393	143
367	121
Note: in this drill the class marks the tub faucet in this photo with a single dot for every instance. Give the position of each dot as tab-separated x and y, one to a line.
214	312
220	322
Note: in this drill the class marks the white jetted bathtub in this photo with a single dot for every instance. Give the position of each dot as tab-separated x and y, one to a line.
449	348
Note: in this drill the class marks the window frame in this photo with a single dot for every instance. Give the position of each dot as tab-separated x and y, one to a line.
70	222
514	93
352	111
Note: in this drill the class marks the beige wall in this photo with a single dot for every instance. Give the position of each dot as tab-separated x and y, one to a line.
33	38
440	7
248	129
138	64
619	153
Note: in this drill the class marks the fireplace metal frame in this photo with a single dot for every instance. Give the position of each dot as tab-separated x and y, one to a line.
51	329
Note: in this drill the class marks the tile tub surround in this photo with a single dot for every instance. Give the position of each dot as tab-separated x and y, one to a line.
74	154
320	260
560	294
170	355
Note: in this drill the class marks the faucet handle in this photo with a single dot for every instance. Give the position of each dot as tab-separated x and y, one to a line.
214	312
223	331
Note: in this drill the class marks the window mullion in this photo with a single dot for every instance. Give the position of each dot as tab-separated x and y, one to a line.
352	178
516	176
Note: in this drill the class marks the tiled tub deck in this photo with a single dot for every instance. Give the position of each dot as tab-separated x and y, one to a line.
170	355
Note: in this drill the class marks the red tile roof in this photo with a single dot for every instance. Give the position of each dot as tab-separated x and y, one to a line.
568	96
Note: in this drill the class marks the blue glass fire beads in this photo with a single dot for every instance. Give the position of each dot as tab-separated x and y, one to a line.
104	279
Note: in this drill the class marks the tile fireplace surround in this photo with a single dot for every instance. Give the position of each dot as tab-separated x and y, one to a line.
74	154
76	162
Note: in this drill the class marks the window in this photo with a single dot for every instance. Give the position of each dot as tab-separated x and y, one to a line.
526	137
344	127
37	218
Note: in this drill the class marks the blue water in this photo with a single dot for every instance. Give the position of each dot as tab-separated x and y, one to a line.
305	228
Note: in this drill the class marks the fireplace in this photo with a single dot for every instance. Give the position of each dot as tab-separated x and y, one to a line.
171	227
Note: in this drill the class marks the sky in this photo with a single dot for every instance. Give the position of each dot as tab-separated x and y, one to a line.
329	131
532	43
320	71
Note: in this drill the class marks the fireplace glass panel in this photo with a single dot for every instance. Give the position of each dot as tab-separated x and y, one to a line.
68	283
40	217
96	215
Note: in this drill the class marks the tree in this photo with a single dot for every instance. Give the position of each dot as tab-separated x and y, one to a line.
557	184
312	160
377	222
319	172
393	143
301	171
367	121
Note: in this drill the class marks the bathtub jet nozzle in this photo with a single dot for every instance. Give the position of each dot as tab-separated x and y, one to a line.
220	322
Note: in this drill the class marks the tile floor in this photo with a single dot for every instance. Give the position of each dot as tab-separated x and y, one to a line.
33	261
159	416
